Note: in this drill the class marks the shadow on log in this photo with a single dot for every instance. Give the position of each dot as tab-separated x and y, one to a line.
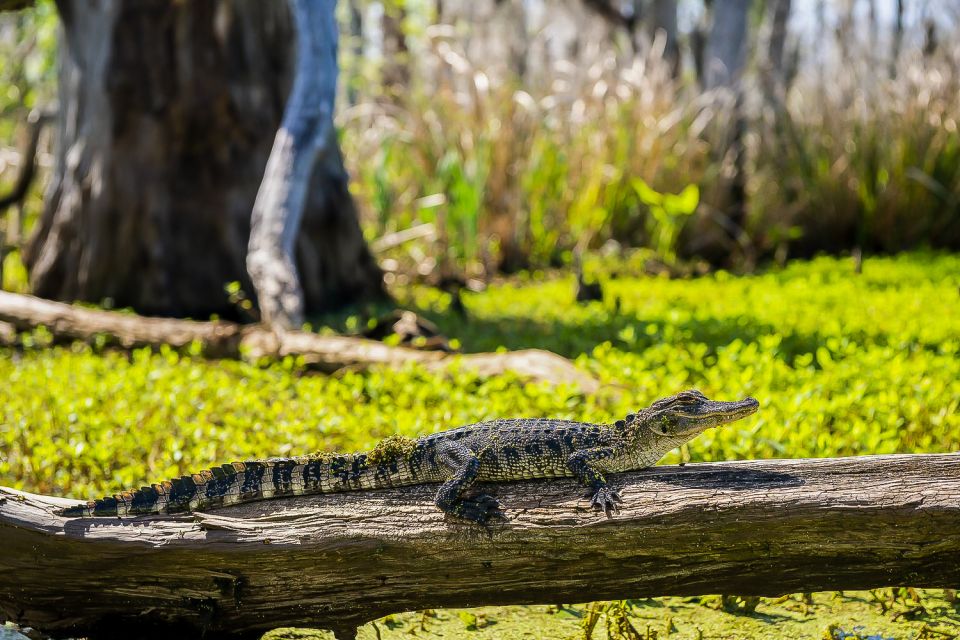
336	561
221	339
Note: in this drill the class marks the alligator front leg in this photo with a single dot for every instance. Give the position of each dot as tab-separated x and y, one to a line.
464	466
584	467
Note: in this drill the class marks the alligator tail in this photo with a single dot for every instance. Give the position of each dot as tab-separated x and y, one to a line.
240	482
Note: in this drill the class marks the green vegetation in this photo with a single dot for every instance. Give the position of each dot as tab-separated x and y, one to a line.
843	364
821	616
28	47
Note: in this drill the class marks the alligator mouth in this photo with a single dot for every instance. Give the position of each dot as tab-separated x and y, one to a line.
742	409
720	412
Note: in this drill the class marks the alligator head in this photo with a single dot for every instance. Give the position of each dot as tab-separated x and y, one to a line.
690	412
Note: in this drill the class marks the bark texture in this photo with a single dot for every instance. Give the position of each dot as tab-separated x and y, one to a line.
229	340
750	528
168	112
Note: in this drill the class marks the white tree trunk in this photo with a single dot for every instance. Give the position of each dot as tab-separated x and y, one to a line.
726	46
773	68
664	18
304	135
168	112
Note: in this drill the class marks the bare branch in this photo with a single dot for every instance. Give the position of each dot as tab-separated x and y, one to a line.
36	120
228	340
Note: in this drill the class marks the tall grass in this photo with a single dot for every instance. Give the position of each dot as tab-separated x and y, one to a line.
517	175
525	176
865	160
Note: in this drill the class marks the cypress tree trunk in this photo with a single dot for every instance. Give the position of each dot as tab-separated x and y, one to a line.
168	113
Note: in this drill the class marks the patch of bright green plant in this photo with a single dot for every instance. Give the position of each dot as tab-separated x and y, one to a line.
668	212
819	616
843	364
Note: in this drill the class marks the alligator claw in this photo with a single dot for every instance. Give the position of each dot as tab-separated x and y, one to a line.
479	509
606	499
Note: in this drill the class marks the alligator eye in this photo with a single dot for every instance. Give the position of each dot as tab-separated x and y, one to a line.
663	429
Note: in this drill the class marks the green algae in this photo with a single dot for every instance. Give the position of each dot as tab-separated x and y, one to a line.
851	615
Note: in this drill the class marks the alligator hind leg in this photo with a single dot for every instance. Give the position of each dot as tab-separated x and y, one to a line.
465	465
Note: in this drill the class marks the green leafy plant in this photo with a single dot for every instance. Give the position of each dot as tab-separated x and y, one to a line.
880	376
668	214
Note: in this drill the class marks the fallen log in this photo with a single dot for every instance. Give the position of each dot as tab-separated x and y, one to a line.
222	339
749	528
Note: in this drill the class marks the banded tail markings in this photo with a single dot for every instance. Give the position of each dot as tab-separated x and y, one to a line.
238	482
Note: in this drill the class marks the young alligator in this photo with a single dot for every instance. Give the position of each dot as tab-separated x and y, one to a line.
500	450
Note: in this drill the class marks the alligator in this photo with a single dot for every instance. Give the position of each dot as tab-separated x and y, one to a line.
499	450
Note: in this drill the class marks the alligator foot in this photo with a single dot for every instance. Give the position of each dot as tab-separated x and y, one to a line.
606	499
480	509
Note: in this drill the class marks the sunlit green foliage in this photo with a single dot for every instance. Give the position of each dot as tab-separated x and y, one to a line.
842	365
667	215
28	47
537	171
822	616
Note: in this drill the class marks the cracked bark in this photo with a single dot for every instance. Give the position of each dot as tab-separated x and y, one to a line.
750	528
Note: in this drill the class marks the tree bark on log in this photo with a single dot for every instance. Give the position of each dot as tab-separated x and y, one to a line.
749	528
229	340
168	111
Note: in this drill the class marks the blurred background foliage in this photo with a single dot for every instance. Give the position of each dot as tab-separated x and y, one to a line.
539	149
28	82
510	134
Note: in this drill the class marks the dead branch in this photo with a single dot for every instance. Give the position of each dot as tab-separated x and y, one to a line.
229	340
389	241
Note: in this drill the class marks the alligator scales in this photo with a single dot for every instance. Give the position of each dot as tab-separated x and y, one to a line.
500	450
